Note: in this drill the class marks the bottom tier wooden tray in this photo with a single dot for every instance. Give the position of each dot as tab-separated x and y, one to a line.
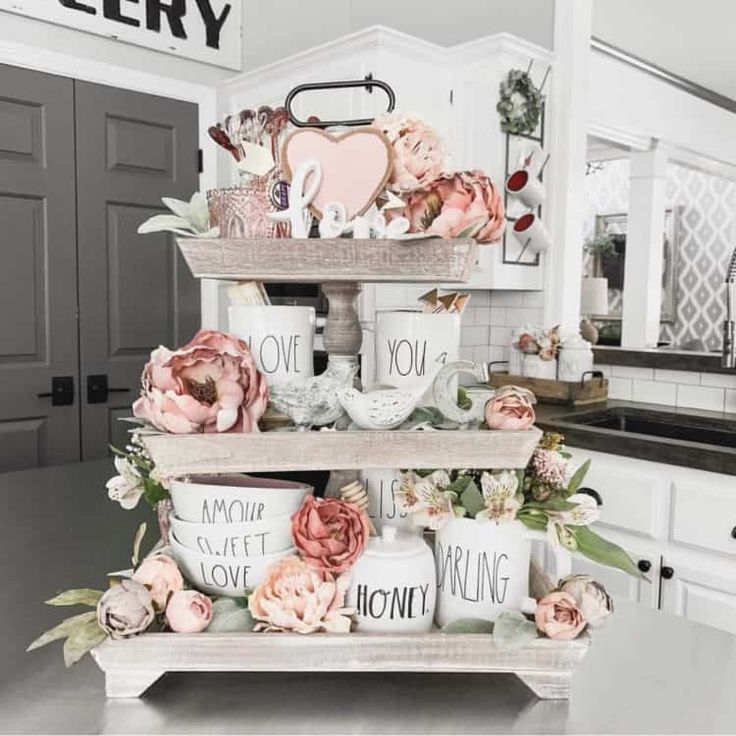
131	666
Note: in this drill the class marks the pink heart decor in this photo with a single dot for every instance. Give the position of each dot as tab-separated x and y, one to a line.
355	165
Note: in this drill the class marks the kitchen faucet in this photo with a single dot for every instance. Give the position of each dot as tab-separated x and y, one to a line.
729	346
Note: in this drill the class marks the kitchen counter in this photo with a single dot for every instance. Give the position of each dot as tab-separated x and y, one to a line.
698	455
646	671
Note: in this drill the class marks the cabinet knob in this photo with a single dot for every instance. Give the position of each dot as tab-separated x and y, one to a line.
733	532
667	572
644	565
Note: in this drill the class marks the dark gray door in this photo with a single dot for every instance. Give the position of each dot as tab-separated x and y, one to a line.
135	292
38	271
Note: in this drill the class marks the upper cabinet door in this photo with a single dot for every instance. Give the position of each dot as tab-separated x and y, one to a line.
38	275
135	291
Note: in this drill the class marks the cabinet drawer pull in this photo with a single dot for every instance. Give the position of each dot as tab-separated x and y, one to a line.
667	572
644	565
733	532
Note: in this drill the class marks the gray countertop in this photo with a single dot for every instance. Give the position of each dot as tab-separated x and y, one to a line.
645	673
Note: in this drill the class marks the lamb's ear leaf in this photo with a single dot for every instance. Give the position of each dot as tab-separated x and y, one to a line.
140	533
76	597
469	626
513	630
230	615
81	640
62	630
165	223
179	208
578	478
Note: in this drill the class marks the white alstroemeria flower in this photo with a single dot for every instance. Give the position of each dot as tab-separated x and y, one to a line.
559	535
127	487
585	512
426	499
501	496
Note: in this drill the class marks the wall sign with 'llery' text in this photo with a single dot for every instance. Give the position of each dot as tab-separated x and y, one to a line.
204	30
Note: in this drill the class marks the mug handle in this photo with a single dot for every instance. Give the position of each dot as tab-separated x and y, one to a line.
562	556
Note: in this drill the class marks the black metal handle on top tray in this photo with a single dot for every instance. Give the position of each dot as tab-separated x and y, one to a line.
368	83
593	374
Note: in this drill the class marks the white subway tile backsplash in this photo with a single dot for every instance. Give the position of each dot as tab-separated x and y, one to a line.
532	298
481	298
691	377
518	316
654	392
627	371
389	296
719	380
474	335
619	388
467	352
500	336
497	316
731	400
701	397
506	298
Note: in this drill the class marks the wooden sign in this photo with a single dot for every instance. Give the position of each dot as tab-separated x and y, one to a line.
204	30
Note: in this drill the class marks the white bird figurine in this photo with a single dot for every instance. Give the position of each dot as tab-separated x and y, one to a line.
383	408
313	402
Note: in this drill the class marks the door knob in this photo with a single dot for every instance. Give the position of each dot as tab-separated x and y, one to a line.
667	572
98	390
733	532
644	565
62	391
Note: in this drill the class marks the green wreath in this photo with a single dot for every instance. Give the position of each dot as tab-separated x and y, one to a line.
520	104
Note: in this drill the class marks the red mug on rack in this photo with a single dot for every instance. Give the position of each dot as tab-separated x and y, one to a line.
531	233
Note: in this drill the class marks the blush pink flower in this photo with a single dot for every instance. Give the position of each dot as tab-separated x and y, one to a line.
462	205
329	533
160	574
419	153
188	612
511	409
212	384
294	596
558	616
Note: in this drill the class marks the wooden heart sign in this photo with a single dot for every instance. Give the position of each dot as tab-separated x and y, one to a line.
355	165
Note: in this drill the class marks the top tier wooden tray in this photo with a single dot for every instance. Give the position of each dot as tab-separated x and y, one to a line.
339	259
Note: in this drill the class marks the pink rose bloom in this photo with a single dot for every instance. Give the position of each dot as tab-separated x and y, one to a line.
330	534
294	596
188	612
512	409
419	154
558	616
160	574
212	384
461	205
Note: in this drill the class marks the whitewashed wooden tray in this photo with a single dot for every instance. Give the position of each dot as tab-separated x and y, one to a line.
131	666
339	259
287	451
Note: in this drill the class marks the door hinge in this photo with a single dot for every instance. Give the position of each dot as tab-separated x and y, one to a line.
200	160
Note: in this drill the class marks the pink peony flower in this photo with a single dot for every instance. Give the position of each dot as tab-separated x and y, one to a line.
160	574
188	612
294	596
558	616
210	385
466	204
419	154
511	409
330	534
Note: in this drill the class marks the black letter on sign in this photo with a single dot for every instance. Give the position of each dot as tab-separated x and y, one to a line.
212	24
74	5
111	11
174	11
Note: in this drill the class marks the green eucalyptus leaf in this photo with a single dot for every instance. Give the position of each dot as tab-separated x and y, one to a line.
472	499
469	626
600	550
577	479
513	630
230	614
62	630
81	640
76	597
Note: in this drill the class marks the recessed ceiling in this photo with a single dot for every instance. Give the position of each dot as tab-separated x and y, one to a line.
696	40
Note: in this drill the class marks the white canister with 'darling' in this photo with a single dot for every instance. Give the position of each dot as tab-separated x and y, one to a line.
411	347
394	585
280	338
575	359
534	367
382	485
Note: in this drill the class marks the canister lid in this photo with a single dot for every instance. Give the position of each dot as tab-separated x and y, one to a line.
395	543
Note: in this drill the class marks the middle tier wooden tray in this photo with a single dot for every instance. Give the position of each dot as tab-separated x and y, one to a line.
329	450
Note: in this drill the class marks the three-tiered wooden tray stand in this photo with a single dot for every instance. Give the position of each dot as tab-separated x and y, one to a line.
340	266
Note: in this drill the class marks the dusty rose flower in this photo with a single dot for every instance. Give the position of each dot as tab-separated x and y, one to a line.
591	597
511	408
188	612
419	154
294	596
125	609
461	205
330	534
528	344
558	616
160	574
210	385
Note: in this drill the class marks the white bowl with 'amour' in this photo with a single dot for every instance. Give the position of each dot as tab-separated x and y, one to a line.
235	499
